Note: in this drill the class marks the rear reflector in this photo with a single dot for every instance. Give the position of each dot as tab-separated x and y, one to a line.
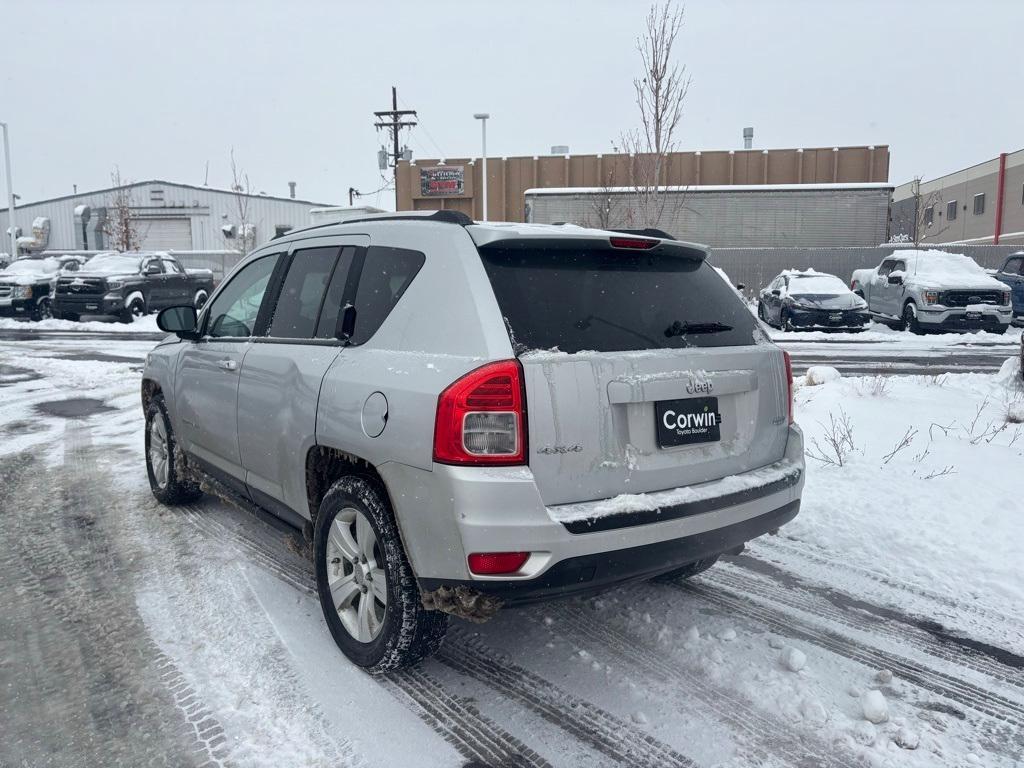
493	563
633	242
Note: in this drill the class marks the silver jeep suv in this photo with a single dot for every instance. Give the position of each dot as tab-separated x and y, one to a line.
465	416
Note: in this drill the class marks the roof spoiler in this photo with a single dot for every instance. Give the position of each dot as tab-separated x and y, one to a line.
649	232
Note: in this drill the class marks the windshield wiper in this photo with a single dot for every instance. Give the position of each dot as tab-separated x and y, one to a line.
685	329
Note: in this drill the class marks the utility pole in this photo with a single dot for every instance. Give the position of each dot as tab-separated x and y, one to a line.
10	196
394	123
482	117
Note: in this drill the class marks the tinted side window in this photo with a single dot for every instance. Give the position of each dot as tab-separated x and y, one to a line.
173	267
152	267
302	292
329	315
886	267
1013	266
386	274
234	310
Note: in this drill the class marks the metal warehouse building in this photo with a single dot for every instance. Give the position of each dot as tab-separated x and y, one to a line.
735	216
169	216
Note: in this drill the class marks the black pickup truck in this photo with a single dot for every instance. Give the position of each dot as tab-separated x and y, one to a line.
129	285
26	285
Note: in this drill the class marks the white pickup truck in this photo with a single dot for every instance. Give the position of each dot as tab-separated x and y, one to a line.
923	290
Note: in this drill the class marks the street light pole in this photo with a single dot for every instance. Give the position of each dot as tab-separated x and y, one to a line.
10	195
482	117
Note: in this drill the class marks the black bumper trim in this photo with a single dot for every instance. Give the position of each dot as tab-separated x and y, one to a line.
589	574
688	509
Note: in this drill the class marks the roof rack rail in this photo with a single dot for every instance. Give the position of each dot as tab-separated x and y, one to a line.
649	232
444	217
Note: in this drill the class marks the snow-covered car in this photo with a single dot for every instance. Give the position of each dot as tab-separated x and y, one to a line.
925	290
129	285
465	416
26	285
806	299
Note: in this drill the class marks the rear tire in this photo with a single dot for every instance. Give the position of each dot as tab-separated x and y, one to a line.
167	486
688	571
356	545
785	323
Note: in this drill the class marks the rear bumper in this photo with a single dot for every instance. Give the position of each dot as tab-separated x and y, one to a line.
449	512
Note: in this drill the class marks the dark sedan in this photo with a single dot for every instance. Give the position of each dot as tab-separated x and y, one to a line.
811	300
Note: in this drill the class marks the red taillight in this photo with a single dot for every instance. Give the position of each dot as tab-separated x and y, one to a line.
492	563
481	418
789	384
633	242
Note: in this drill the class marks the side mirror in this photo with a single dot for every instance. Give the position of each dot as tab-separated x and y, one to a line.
895	279
152	269
181	321
740	286
776	292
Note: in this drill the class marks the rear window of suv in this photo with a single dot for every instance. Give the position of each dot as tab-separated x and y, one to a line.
602	300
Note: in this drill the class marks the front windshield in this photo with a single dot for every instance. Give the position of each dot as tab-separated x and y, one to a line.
113	264
816	284
33	267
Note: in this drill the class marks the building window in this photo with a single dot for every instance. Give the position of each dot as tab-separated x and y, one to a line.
951	210
979	204
929	215
282	229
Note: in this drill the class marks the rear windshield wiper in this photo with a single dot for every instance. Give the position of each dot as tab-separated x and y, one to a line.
684	329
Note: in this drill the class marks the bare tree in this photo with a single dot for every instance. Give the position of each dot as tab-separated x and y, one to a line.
241	232
609	208
920	217
121	225
660	95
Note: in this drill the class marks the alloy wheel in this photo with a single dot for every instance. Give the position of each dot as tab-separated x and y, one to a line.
355	575
158	453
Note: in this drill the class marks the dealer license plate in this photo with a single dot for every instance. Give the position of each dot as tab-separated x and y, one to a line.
974	315
92	306
835	317
687	421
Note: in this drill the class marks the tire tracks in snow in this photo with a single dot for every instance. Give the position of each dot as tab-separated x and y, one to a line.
759	737
585	722
1008	714
837	608
57	548
473	735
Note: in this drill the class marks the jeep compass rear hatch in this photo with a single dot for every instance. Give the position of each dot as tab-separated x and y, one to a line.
644	371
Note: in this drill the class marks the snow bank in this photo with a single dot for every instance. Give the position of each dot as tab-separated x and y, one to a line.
821	374
146	324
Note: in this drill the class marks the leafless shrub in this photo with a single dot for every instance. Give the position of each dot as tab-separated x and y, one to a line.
904	442
122	223
949	469
875	386
838	441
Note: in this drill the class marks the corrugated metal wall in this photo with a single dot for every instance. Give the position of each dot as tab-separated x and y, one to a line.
768	218
207	210
755	267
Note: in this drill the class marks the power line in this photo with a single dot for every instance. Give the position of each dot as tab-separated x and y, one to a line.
440	152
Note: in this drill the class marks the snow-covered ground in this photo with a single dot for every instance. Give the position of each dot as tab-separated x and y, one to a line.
881	628
145	324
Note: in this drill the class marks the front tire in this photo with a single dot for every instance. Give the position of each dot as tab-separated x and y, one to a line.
136	308
367	589
910	322
199	300
42	310
167	486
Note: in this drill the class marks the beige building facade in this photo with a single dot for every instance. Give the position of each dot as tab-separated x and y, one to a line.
456	183
983	204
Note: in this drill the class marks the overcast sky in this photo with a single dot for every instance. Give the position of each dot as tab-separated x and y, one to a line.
163	88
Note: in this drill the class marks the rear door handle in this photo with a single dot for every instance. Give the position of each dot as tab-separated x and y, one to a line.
228	365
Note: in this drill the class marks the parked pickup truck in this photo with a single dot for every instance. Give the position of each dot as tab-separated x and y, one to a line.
26	285
129	285
929	290
1012	273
